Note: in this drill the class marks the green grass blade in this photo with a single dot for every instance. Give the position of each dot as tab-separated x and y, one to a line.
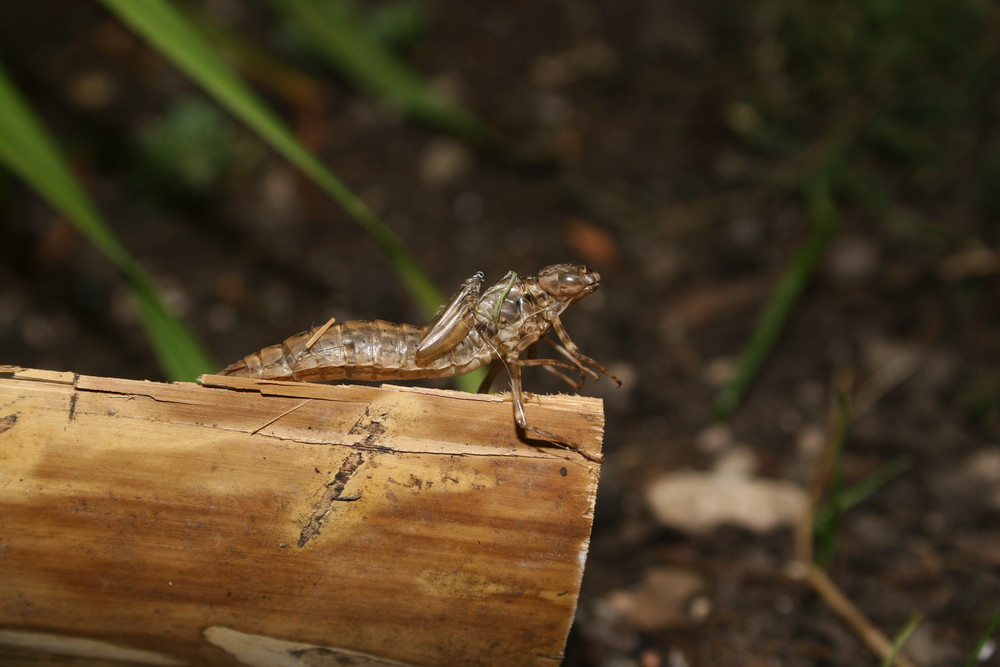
901	639
870	484
825	520
824	215
176	38
990	629
28	151
338	33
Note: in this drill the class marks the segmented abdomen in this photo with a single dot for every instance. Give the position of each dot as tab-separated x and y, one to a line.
359	350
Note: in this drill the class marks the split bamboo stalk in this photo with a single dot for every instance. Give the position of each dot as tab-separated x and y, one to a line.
247	522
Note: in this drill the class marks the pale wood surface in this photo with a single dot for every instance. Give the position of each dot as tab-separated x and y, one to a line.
274	523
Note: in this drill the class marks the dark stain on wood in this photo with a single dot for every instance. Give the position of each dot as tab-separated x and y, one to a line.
333	492
8	422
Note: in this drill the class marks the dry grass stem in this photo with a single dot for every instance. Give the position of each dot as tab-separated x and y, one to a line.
839	419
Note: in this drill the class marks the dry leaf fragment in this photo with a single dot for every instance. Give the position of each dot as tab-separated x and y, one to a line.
699	502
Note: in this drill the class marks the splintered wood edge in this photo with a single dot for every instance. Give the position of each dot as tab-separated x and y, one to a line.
294	389
38	375
585	412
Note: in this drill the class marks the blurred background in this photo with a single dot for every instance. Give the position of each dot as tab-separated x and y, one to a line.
793	204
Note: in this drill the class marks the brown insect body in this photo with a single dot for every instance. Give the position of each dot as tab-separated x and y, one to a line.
358	350
469	332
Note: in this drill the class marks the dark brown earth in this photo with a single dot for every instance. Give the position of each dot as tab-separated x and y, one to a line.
688	138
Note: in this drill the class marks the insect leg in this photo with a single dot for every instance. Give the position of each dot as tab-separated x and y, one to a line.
550	365
491	375
574	353
553	366
514	368
577	365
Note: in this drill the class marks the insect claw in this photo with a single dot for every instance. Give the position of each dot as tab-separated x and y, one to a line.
554	439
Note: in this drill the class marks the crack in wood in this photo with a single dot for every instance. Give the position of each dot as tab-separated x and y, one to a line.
374	427
334	492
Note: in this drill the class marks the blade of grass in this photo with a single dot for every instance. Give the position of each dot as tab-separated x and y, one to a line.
825	523
826	515
176	38
977	651
854	495
824	216
901	639
828	474
28	151
339	34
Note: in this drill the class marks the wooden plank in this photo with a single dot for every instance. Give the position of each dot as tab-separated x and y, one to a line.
274	523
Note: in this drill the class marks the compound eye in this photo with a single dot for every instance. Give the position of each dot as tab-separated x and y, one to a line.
571	281
566	280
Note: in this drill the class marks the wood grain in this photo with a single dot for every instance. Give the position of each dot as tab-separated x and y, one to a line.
275	523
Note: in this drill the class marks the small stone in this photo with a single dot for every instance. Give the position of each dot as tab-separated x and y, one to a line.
443	162
660	600
699	502
714	439
853	259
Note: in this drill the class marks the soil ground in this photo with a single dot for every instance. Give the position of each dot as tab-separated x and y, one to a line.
689	139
